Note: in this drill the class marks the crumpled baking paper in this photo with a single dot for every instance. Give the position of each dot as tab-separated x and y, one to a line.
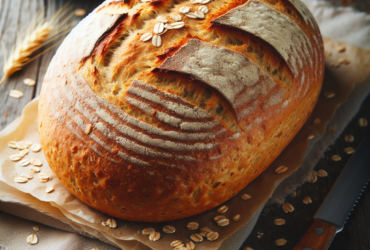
128	235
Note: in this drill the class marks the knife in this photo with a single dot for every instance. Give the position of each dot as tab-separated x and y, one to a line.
338	204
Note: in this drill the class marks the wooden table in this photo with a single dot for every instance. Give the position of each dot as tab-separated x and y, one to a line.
356	234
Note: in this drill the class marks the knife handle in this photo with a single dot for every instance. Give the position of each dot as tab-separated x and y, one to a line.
318	237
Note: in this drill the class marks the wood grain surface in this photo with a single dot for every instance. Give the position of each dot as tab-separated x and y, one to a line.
317	237
15	14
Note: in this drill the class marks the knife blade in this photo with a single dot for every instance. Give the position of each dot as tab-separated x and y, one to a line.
338	204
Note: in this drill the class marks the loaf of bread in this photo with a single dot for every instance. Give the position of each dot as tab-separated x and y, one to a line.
158	110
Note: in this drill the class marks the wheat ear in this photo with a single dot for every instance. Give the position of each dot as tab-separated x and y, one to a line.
36	37
21	54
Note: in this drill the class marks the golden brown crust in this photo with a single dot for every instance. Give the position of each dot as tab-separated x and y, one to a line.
170	139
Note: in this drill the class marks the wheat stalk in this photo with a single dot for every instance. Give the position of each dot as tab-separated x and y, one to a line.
36	37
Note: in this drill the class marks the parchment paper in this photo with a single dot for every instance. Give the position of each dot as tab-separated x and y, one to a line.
127	235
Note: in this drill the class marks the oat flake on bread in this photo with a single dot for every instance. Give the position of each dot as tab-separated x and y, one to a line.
186	120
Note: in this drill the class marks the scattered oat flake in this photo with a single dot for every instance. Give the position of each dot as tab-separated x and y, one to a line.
36	228
279	222
191	15
49	190
158	28
164	31
36	162
362	122
192	225
28	143
322	173
45	177
287	207
146	37
336	158
307	200
30	177
177	25
223	222
146	1
111	223
222	209
236	217
205	1
246	197
175	17
88	129
32	239
281	169
199	14
15	93
154	236
203	9
22	145
157	41
12	144
15	157
329	94
205	230
35	169
310	137
219	217
327	53
317	121
196	237
349	150
161	19
248	248
349	138
344	61
36	147
181	247
335	64
212	236
294	194
20	179
190	245
80	12
280	242
312	177
29	82
341	49
168	26
184	9
175	243
23	153
148	231
169	229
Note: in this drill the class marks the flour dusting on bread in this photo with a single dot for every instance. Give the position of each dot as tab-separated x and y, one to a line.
157	130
